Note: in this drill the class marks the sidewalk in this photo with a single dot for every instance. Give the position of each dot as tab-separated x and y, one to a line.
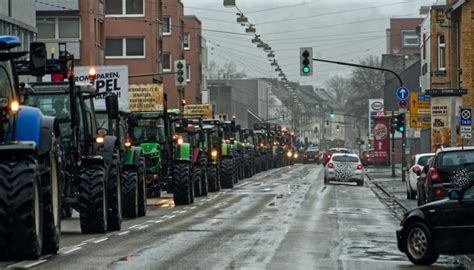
392	186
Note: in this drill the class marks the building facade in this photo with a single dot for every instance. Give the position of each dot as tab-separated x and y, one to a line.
133	38
192	54
77	25
18	18
403	37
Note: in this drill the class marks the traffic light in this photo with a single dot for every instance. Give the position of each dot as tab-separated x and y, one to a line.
401	122
180	69
337	128
331	114
306	61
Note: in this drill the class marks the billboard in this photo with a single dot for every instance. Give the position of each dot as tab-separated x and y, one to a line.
382	142
109	78
376	108
146	97
198	110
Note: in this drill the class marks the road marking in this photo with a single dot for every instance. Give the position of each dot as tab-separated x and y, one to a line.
134	226
123	233
81	244
208	200
158	221
143	227
182	212
174	212
172	216
89	240
72	250
202	203
35	263
192	208
101	240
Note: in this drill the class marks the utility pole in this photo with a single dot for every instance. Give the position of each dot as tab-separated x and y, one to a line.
392	132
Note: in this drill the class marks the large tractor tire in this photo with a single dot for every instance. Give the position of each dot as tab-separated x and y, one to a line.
142	198
227	173
204	181
213	179
93	199
197	181
182	187
20	209
51	195
114	197
130	193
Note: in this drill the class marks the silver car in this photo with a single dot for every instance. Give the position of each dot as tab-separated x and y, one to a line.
344	168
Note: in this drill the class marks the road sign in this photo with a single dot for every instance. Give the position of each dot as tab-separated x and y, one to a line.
402	104
420	104
403	93
466	117
417	121
466	135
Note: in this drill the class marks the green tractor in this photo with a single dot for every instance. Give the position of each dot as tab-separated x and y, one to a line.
213	143
250	153
134	197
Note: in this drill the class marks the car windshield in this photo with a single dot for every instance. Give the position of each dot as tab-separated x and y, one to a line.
6	89
345	159
149	130
422	161
57	106
311	152
456	159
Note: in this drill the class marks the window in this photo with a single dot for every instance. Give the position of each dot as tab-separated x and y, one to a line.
186	41
58	28
441	53
166	26
188	73
410	39
166	62
125	48
132	8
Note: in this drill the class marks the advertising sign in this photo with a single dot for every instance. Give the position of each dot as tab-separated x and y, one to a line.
146	97
382	142
440	123
109	78
198	110
376	108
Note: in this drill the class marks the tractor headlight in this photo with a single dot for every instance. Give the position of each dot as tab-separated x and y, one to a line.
296	155
128	143
99	140
14	106
180	140
214	153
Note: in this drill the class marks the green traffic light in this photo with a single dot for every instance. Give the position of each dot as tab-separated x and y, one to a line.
306	70
401	129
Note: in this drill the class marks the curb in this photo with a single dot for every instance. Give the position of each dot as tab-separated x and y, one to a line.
387	193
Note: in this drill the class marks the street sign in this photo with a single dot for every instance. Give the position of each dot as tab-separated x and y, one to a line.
402	104
466	117
417	121
420	104
403	93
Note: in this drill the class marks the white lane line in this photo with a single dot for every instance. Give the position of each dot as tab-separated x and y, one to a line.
101	240
192	208
134	226
201	203
143	227
16	265
35	263
81	244
172	216
158	221
72	250
208	200
123	233
182	212
175	212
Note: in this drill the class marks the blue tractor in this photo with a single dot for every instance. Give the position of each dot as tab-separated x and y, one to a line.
30	210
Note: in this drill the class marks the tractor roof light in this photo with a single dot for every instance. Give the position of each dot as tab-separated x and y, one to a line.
92	74
14	106
99	140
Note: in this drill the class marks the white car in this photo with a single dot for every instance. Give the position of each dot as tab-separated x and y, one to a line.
344	168
417	164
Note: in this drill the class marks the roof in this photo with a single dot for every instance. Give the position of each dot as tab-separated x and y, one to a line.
344	155
424	155
452	149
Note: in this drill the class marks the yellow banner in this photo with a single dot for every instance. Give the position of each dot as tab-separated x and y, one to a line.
146	97
198	110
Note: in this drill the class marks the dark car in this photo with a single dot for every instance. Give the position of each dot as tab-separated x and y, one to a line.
311	155
442	227
448	165
367	157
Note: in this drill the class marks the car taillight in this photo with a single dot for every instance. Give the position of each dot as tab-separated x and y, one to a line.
305	155
438	192
359	166
329	156
330	165
368	156
434	175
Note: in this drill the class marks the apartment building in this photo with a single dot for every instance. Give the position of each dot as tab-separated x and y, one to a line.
18	18
192	54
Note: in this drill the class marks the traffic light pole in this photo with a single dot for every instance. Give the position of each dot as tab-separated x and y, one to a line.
401	85
392	156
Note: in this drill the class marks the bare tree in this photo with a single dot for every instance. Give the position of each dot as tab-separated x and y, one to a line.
340	86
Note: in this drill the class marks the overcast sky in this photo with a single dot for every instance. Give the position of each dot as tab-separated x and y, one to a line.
344	30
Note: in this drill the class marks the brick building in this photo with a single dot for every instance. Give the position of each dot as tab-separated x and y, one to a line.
78	24
133	37
402	36
192	54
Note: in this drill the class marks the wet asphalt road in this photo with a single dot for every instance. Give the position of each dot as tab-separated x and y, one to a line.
281	219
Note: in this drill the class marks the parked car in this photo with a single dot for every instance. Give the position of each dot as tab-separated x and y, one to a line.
367	157
448	165
441	227
328	154
344	168
420	184
311	155
418	163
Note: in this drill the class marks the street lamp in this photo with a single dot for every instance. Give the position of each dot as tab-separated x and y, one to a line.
251	29
229	3
242	19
